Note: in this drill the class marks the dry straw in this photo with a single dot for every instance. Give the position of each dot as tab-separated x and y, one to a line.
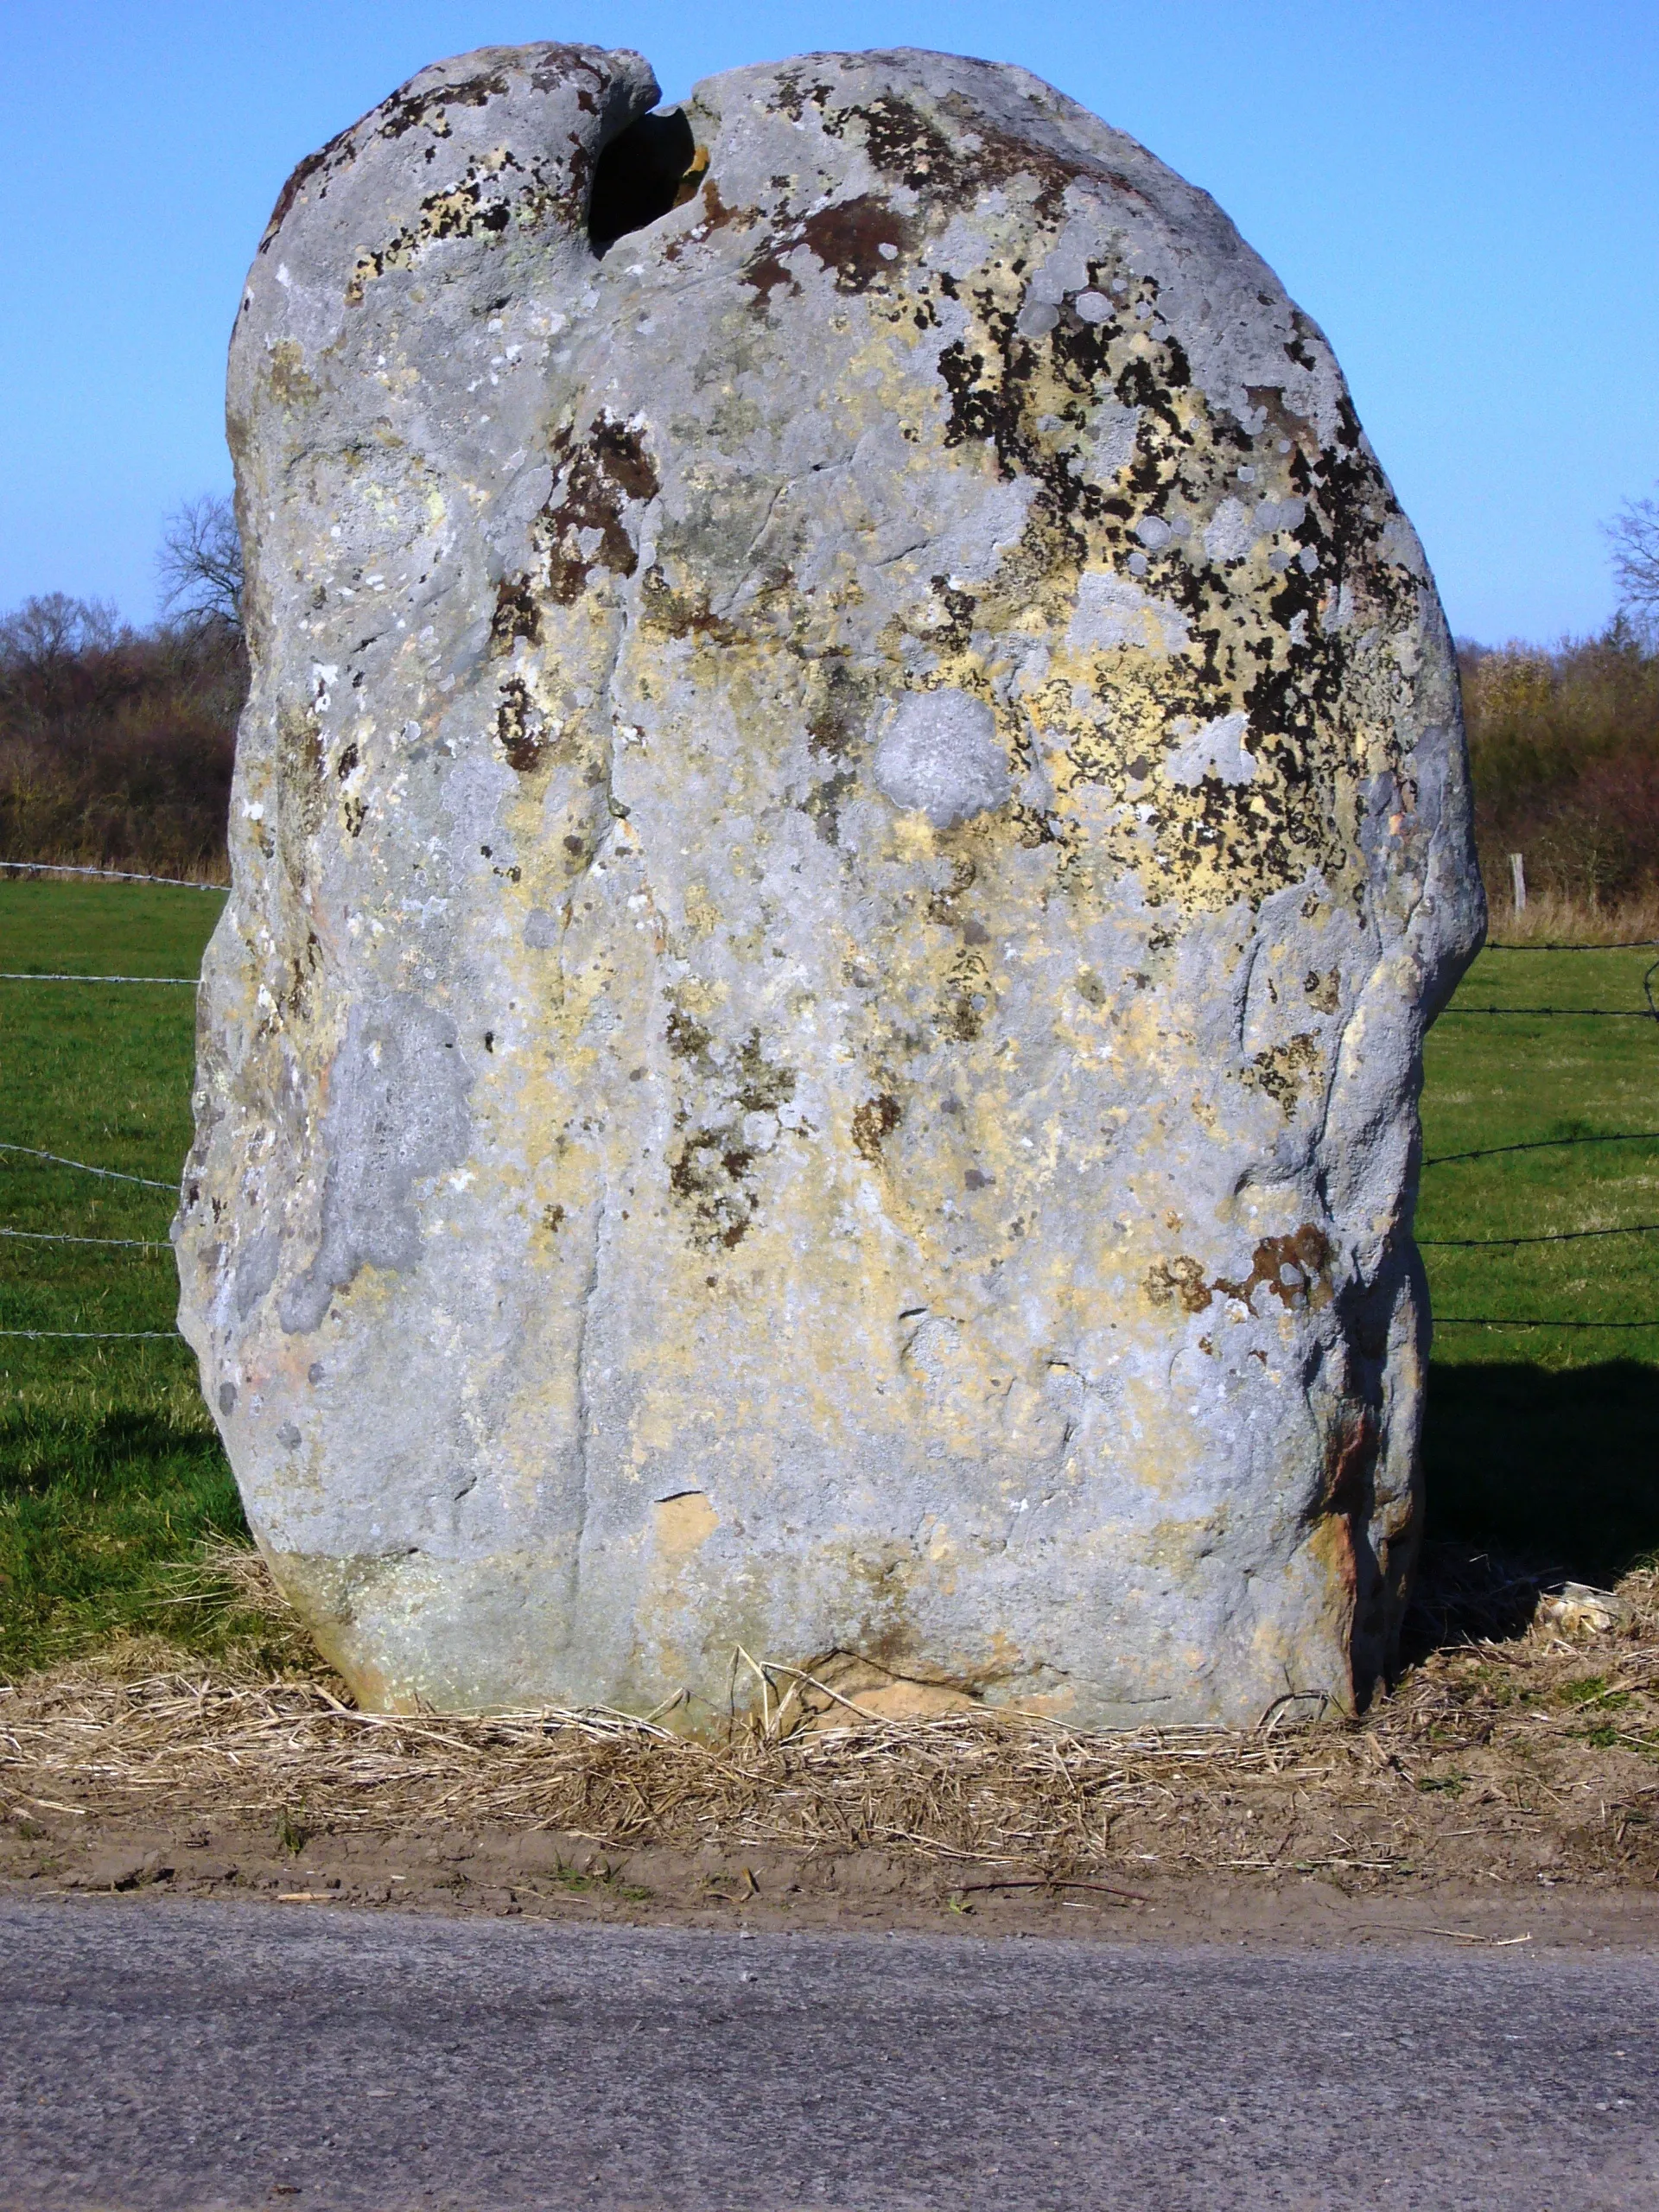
1493	1753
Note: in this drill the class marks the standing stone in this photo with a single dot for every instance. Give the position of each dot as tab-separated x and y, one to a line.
852	810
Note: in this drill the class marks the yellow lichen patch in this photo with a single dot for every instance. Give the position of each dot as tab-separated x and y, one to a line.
1212	559
460	210
291	384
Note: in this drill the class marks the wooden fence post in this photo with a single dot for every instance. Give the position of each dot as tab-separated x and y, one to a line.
1518	879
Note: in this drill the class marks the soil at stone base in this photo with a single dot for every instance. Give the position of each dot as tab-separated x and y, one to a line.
541	1876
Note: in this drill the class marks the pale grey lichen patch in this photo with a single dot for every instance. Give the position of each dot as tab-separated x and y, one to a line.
1216	750
1231	531
941	755
1112	611
256	1270
397	1115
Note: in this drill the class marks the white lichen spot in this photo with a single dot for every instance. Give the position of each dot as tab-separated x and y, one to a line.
1112	611
1216	750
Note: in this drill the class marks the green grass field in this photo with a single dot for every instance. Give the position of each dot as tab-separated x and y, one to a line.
111	1470
1541	1440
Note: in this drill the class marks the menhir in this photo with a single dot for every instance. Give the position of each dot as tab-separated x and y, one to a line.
852	811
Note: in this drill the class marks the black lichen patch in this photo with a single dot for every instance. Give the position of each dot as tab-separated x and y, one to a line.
873	1123
763	1084
404	110
902	143
680	614
1182	1278
638	176
967	997
597	478
979	156
839	704
296	1001
687	1038
943	904
711	1171
520	727
516	616
484	203
708	1179
822	805
1280	1071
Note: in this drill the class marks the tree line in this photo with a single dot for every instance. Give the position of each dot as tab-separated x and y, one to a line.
117	744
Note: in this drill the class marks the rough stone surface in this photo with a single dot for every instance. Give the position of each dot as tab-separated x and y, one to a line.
852	810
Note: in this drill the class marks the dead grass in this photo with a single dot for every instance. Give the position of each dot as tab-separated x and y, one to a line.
1555	917
1510	1756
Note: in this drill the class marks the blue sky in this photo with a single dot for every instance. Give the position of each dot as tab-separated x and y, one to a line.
1465	195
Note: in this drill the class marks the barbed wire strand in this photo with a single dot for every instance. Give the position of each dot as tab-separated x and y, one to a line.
1554	1236
57	1237
1542	1144
25	975
114	1175
1565	1012
1497	1321
1631	945
94	1336
115	875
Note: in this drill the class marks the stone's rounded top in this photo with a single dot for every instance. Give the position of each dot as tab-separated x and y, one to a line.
941	756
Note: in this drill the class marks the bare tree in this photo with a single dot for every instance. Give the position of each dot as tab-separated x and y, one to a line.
201	562
1635	534
44	632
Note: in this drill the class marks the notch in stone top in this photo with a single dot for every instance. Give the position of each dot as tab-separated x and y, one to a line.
643	174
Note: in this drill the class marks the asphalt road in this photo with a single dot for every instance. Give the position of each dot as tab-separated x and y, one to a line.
178	2056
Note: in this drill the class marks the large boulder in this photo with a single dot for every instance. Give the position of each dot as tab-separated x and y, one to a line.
852	810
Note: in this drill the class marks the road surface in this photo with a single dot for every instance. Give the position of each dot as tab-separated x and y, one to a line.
157	2054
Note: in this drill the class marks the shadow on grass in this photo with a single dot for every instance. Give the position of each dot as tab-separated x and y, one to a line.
99	1509
1556	1470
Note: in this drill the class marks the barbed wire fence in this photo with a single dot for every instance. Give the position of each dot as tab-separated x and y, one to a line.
38	869
1651	1012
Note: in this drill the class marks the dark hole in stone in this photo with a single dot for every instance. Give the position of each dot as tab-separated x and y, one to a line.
637	178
